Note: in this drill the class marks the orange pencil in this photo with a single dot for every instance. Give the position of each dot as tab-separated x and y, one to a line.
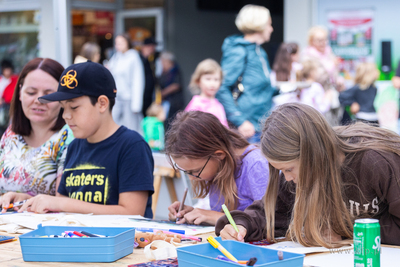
15	204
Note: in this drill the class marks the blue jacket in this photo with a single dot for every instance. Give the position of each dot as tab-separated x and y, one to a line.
256	101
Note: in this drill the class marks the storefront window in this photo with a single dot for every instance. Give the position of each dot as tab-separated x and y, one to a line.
92	26
19	37
132	4
140	28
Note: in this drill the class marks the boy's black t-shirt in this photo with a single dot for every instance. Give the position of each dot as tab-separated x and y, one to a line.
98	172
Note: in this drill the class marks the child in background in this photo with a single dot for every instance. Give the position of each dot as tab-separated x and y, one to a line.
219	161
361	97
286	69
153	127
315	94
286	64
206	80
8	81
108	168
321	179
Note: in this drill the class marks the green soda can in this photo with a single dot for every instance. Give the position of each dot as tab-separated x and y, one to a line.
367	243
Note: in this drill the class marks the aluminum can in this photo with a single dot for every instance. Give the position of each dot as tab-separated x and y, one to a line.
367	243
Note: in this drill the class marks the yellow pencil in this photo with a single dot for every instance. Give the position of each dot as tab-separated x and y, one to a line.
217	245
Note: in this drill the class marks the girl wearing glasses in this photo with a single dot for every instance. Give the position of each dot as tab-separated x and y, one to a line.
219	162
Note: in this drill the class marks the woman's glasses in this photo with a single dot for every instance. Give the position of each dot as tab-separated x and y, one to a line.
191	174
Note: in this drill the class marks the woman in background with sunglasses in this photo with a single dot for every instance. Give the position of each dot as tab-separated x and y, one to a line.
219	162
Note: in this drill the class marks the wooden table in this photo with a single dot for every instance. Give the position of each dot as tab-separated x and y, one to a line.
11	255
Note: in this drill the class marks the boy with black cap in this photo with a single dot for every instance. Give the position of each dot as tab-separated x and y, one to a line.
106	164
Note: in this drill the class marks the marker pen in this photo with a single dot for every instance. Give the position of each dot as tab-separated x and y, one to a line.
251	262
79	234
223	258
280	255
195	238
92	235
71	234
172	231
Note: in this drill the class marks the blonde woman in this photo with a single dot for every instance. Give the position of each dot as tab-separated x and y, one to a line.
243	56
319	49
205	83
361	97
321	179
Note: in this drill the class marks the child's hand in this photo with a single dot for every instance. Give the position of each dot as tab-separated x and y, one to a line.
229	233
42	204
354	108
173	211
198	216
12	197
247	129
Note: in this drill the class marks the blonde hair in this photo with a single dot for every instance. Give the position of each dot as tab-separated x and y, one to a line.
299	132
313	31
207	66
252	19
154	110
308	67
323	78
366	75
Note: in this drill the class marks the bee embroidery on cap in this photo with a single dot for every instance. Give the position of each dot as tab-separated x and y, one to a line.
69	79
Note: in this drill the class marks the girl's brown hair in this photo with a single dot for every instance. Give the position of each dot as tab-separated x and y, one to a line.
207	66
283	61
299	132
20	124
197	135
127	38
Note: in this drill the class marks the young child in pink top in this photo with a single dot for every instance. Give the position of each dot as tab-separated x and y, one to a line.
314	95
205	82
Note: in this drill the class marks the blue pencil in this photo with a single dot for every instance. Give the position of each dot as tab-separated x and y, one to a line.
182	232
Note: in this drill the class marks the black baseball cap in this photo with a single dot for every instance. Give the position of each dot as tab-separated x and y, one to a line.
150	40
83	79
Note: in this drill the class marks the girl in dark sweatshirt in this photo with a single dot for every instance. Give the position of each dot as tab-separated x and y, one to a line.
321	180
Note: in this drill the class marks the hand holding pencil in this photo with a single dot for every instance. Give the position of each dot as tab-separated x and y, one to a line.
13	200
182	204
178	209
231	230
229	233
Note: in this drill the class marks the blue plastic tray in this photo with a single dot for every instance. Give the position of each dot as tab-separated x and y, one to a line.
118	243
205	255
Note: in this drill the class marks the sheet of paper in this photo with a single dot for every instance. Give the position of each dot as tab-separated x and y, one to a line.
389	257
294	247
189	229
18	222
